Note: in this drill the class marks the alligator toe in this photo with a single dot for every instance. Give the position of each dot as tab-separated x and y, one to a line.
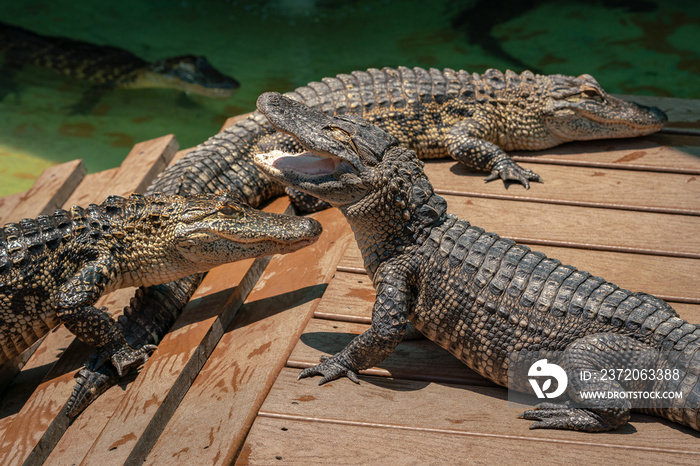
128	357
330	369
507	170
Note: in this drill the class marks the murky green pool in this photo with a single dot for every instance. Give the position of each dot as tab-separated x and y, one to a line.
644	47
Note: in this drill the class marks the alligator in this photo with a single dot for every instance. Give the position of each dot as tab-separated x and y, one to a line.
434	112
108	67
479	296
471	117
55	267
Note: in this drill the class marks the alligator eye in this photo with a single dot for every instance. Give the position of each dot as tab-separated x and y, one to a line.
344	136
227	210
592	93
339	129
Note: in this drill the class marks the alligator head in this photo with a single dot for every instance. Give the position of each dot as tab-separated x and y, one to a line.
340	150
196	233
189	73
577	108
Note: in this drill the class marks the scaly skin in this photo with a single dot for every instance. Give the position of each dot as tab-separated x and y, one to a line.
477	295
55	267
434	112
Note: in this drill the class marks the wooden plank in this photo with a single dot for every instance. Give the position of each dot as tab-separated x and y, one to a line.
93	189
673	153
669	278
80	435
211	298
246	362
583	227
146	159
139	168
349	297
689	312
7	204
300	441
585	186
49	191
152	398
466	409
32	373
5	422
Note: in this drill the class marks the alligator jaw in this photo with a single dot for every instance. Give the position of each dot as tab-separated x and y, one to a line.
307	163
581	110
241	233
318	175
313	130
339	150
312	167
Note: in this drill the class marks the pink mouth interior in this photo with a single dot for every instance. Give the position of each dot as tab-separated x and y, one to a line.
306	163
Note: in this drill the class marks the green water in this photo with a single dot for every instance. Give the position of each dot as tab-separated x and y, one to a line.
647	47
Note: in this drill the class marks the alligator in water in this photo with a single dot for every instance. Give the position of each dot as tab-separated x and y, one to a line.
55	267
434	112
481	297
107	67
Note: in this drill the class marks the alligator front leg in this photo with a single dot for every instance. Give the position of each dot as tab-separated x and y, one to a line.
145	322
467	143
93	325
389	321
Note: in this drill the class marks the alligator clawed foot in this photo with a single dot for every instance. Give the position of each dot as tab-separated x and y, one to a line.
548	415
128	357
330	369
509	170
564	416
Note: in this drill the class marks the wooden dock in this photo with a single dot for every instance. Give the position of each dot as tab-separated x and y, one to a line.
222	386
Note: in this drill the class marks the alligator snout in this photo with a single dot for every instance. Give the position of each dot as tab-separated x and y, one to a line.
658	114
